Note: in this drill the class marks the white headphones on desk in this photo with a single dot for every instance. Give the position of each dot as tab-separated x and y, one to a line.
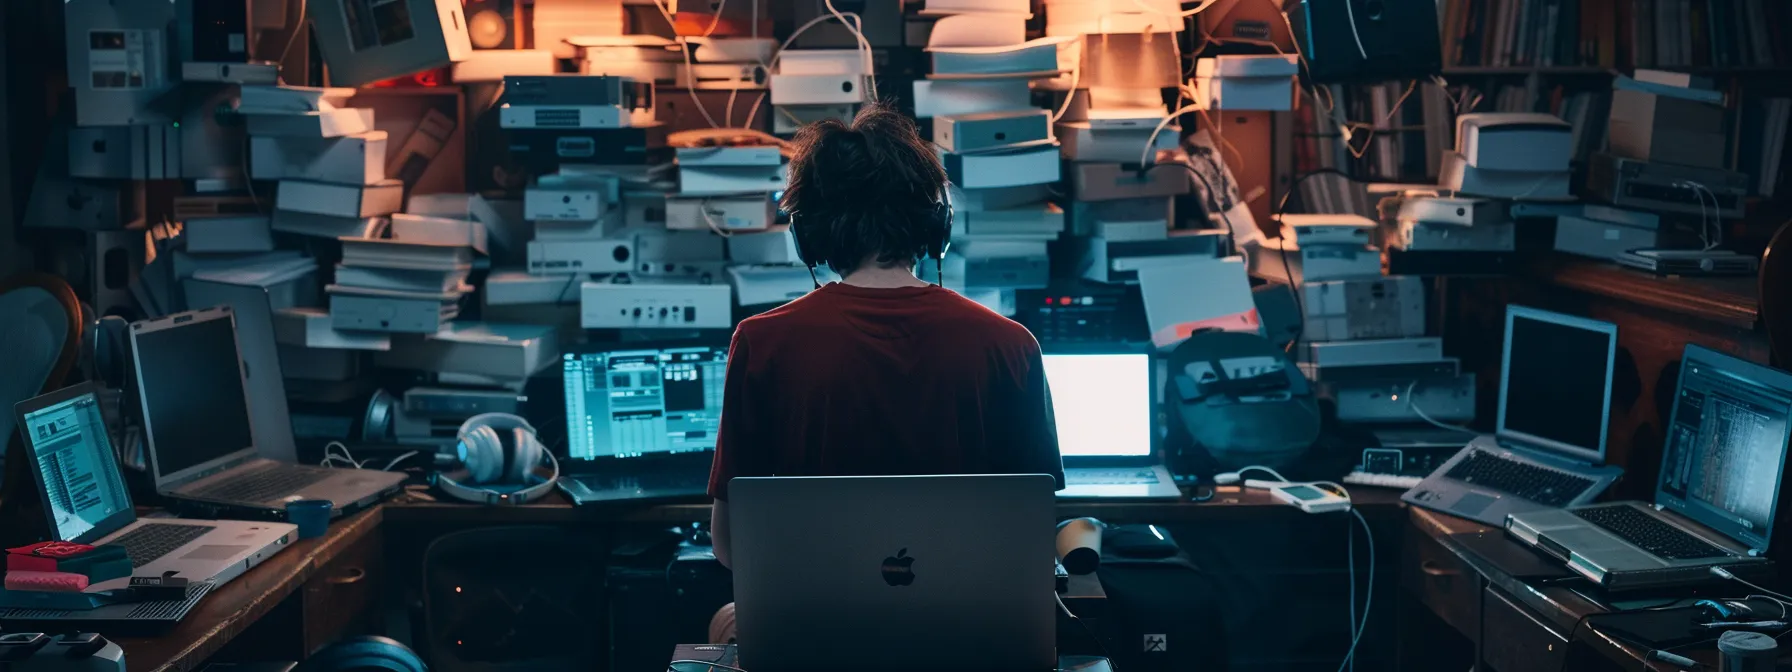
500	471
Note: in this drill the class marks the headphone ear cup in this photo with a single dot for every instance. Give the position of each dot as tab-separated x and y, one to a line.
805	246
942	234
484	454
524	456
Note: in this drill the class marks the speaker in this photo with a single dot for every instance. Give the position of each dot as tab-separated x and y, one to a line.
496	24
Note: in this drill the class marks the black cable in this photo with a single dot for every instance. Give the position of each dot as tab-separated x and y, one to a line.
1300	301
1210	203
1100	645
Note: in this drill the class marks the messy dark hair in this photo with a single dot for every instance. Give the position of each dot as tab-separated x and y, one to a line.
864	192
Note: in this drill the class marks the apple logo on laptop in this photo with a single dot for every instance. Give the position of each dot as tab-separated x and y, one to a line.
899	569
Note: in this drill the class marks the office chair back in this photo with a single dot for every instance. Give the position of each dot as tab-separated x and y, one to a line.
40	336
365	654
512	598
1774	292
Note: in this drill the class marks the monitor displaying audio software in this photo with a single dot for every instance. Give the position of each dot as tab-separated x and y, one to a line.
638	399
1725	450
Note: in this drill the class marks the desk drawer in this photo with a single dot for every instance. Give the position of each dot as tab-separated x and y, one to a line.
1515	639
1439	579
341	598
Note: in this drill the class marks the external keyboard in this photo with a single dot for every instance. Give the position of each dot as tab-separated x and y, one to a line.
1649	533
1110	477
1396	481
1539	484
273	482
154	540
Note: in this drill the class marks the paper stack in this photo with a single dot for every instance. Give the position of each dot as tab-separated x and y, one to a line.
399	286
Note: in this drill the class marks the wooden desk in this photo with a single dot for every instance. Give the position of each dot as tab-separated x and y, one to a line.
311	593
331	578
1514	625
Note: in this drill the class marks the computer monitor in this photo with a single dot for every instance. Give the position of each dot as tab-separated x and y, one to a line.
190	378
72	461
1556	382
1725	451
644	399
1102	402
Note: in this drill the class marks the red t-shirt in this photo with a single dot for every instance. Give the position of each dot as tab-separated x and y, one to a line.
856	381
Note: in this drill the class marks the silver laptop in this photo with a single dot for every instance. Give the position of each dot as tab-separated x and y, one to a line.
202	444
86	502
1548	450
894	572
1721	467
1103	405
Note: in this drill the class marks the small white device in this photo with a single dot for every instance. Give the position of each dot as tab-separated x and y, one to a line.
1307	497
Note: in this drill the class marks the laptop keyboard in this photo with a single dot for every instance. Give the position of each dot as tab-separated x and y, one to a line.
1538	484
1110	477
1649	533
151	541
650	481
259	486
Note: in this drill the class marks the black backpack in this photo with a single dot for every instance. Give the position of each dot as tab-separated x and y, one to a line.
1233	399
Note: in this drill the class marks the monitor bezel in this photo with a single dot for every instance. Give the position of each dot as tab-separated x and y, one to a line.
1594	455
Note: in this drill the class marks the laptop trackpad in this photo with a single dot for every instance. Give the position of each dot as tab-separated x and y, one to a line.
215	552
1472	503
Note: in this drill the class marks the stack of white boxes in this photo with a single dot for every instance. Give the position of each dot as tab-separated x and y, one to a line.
1240	82
1520	155
999	150
328	158
1451	224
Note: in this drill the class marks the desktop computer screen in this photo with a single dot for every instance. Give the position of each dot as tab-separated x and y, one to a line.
1557	380
80	477
1726	448
1102	403
641	400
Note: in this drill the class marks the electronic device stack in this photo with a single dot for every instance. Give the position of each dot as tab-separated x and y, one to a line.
1363	341
999	150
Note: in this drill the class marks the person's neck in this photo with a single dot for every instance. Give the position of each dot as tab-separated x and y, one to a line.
883	277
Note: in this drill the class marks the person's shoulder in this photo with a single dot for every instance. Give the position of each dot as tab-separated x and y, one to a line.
988	322
795	310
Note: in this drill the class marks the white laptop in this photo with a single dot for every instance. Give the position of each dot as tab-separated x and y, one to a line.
1103	405
195	387
86	502
888	573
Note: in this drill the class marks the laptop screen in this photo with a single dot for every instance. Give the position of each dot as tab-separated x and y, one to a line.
84	492
1102	403
1725	449
192	387
643	400
1555	389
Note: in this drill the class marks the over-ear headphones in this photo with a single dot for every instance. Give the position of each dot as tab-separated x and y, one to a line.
812	248
502	457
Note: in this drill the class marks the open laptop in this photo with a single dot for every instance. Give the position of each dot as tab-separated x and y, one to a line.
85	499
1548	450
641	420
894	572
201	442
1103	405
1721	467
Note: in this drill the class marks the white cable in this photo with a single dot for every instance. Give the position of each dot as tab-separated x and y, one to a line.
754	112
1351	12
292	39
723	6
1151	140
1183	15
405	456
1076	74
703	211
1414	407
1259	467
856	27
1726	574
1368	590
346	456
1350	570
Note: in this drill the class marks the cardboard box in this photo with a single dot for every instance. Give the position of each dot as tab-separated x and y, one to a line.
1653	127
